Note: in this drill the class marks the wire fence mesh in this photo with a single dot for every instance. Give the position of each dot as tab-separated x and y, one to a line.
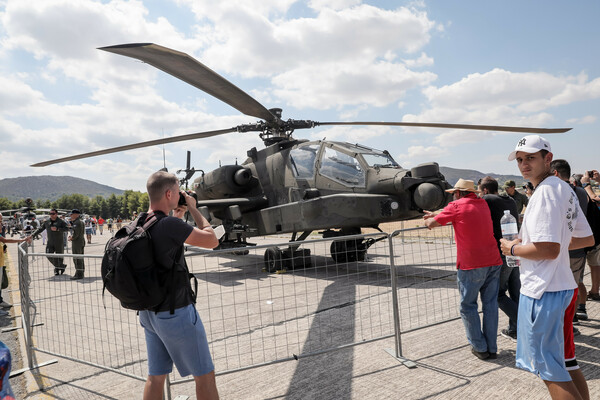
259	305
425	263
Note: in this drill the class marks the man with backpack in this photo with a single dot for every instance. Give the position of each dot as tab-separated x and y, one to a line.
174	331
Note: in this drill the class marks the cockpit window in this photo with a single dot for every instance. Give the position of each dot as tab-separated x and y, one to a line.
379	160
303	161
342	168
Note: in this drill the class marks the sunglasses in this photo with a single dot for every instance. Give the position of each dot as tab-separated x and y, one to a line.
52	213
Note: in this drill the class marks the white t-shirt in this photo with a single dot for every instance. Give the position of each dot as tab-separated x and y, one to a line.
552	215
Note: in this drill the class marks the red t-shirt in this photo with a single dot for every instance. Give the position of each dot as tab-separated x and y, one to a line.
473	232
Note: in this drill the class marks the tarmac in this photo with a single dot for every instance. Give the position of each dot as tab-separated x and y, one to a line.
445	367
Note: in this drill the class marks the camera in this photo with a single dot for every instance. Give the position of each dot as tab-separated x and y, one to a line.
591	174
529	186
182	201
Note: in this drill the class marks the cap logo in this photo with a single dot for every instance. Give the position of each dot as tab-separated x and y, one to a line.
521	142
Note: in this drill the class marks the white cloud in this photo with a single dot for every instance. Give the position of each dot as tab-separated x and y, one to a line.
588	119
335	84
501	97
418	154
423	61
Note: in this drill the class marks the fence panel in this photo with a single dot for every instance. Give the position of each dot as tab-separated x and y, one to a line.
425	263
252	317
255	318
71	319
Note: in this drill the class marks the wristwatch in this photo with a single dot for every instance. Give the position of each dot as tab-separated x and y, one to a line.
584	185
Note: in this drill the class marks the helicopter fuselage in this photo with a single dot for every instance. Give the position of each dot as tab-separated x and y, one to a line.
299	186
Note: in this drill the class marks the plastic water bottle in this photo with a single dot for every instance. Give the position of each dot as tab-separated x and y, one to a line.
508	224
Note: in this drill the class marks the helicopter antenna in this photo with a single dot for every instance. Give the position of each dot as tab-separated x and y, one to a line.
163	149
189	171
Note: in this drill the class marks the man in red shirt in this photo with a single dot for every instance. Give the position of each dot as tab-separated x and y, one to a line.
478	262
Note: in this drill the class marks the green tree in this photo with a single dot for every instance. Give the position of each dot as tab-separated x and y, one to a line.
96	205
133	203
144	202
6	204
113	206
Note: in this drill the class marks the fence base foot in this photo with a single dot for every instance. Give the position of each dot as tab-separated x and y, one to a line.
407	363
23	370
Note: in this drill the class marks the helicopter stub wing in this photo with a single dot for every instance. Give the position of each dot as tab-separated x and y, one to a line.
190	70
148	143
455	126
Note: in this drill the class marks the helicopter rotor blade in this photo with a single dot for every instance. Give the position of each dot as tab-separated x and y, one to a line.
190	70
455	126
173	139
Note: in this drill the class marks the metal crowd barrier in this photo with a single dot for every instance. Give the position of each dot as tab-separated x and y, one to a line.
260	305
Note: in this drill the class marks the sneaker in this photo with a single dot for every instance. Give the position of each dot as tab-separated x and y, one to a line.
580	314
4	304
482	355
512	335
575	320
576	332
593	296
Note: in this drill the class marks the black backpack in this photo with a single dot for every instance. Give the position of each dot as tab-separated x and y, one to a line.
129	269
593	218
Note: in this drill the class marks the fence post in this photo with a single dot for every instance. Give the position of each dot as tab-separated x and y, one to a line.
397	351
24	282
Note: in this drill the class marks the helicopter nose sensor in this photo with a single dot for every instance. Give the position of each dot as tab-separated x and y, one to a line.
428	196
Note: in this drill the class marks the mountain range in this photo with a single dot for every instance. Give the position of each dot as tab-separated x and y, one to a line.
452	176
47	187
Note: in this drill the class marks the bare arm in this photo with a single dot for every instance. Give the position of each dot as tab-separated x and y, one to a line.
580	243
6	240
430	222
531	251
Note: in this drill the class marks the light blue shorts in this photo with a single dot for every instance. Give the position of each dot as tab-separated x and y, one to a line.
540	337
176	338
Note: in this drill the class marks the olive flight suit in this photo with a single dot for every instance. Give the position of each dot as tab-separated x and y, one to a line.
55	244
78	243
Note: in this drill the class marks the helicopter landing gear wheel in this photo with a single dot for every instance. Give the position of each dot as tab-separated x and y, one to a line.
343	251
273	259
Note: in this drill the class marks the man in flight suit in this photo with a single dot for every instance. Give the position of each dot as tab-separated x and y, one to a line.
77	239
54	227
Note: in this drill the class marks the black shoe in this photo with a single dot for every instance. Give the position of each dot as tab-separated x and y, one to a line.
512	335
575	320
482	355
56	271
493	356
576	332
77	276
581	312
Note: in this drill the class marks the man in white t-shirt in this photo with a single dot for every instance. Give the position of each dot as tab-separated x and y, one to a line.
553	224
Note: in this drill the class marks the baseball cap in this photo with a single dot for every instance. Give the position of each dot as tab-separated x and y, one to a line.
509	184
530	144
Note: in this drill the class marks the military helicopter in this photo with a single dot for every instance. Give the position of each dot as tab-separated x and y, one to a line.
294	185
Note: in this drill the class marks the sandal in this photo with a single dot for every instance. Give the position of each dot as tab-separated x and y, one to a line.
594	296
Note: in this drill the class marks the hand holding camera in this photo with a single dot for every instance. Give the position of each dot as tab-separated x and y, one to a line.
182	197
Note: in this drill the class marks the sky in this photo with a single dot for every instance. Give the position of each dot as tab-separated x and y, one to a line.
515	63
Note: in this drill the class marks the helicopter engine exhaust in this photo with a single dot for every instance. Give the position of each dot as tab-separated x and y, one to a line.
225	182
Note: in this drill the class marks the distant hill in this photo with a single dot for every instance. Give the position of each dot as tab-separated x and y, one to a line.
453	175
51	188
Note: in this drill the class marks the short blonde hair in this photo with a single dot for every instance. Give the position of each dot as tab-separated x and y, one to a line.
158	183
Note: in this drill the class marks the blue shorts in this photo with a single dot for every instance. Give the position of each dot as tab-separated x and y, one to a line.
540	337
176	338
